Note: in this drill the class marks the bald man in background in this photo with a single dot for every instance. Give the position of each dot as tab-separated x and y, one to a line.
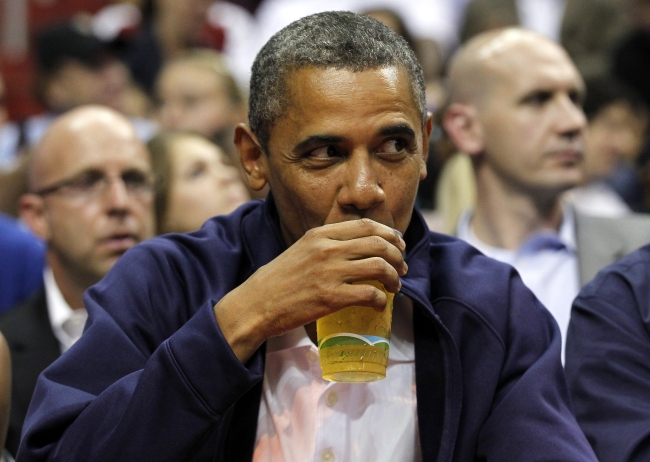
90	200
516	109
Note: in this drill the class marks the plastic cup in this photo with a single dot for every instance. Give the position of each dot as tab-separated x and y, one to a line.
353	342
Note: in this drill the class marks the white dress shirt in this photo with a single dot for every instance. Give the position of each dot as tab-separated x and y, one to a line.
306	418
67	324
547	263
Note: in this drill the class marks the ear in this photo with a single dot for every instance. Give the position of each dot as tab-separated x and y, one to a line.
32	212
252	157
463	127
426	134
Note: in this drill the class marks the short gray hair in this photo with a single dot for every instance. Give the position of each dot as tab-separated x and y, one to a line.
333	39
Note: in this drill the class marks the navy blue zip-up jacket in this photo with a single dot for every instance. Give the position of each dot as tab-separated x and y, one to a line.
153	379
608	359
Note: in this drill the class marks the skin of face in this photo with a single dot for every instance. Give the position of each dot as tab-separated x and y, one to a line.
86	236
615	134
516	109
531	119
76	84
349	145
193	98
202	185
186	17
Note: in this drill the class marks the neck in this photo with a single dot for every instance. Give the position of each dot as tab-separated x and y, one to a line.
505	217
71	288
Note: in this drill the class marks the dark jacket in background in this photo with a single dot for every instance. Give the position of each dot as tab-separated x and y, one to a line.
608	359
33	347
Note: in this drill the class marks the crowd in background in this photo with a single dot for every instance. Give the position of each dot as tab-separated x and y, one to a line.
141	59
178	70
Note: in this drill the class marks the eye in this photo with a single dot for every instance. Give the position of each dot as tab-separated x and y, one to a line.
538	98
191	101
393	146
197	170
86	180
577	97
325	152
134	179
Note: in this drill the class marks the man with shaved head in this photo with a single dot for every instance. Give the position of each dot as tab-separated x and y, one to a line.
516	110
213	350
90	199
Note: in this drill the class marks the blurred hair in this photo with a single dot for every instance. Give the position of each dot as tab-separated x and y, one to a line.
213	61
160	147
604	91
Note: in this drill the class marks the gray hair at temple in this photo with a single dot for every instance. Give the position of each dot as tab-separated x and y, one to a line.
333	39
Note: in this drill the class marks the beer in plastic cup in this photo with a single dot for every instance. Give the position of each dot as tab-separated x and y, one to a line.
353	342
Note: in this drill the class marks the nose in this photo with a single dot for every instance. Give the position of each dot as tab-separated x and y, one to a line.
361	190
116	196
571	117
170	114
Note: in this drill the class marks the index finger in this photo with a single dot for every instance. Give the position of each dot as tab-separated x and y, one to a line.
364	227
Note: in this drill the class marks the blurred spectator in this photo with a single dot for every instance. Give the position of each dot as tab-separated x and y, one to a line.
90	200
9	133
456	191
516	110
22	258
427	51
196	92
617	122
75	68
432	23
196	182
169	28
644	175
631	61
5	395
590	32
587	30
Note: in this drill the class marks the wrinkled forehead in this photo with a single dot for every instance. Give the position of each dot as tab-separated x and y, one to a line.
327	80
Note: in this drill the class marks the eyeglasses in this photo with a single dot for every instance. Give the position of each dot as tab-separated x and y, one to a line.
93	183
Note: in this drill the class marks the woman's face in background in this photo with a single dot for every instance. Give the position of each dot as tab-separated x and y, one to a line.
195	98
202	184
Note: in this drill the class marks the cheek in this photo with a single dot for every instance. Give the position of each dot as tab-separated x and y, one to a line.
74	230
215	114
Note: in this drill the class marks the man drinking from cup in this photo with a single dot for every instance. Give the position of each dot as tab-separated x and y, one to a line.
202	346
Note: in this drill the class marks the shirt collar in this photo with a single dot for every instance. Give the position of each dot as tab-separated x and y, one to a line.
59	311
546	239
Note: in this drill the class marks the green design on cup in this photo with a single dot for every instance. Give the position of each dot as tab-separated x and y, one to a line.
345	339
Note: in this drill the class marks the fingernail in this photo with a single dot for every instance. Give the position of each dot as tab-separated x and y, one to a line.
401	241
400	235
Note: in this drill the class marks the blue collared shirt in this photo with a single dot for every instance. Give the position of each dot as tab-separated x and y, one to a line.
547	263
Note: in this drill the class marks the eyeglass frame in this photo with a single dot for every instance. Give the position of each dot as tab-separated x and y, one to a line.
98	185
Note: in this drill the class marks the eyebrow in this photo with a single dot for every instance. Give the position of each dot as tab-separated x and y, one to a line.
399	129
321	140
317	140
